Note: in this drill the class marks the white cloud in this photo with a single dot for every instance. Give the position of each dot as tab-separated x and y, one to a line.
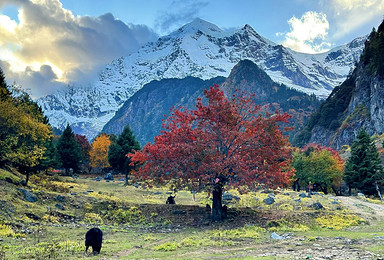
349	15
308	33
182	12
73	47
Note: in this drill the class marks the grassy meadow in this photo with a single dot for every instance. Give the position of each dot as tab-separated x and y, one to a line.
137	224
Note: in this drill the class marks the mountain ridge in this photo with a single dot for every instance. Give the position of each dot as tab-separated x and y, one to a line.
144	111
358	102
199	49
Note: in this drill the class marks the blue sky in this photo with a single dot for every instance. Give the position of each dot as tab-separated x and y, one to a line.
45	44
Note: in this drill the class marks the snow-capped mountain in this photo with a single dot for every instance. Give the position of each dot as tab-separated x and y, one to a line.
199	49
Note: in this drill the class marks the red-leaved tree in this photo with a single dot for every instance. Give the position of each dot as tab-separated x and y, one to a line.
232	142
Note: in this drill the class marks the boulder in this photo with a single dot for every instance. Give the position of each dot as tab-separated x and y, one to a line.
302	195
269	201
60	198
317	206
59	206
228	197
276	236
109	177
28	196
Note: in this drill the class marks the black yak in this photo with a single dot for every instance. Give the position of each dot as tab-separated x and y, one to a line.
93	238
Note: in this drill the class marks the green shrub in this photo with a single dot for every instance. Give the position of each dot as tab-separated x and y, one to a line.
338	221
93	218
168	246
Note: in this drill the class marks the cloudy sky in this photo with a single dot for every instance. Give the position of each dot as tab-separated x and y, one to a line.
47	44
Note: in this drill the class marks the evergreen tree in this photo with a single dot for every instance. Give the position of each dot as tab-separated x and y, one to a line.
4	91
125	143
363	169
49	159
68	150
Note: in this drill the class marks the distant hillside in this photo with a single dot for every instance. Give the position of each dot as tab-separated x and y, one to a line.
145	109
357	102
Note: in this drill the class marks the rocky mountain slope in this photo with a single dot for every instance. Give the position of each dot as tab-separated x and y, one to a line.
199	49
147	107
357	102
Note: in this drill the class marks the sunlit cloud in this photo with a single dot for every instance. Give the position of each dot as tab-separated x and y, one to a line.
308	33
72	47
349	15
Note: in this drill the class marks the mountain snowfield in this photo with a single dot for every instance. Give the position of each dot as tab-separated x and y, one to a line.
199	49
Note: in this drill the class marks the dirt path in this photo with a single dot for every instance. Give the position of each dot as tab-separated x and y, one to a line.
367	210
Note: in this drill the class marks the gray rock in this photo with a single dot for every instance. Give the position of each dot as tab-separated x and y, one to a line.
89	191
108	176
227	196
60	198
317	206
298	200
28	196
269	201
276	236
302	195
158	193
97	178
59	206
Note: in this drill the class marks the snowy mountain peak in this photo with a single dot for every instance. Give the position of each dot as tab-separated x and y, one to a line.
199	49
197	26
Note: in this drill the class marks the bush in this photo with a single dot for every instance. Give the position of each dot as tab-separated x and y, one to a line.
338	221
93	218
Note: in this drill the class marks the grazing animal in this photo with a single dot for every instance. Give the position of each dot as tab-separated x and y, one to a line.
93	238
171	200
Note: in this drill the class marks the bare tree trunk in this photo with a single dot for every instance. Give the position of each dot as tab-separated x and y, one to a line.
126	179
217	208
378	191
26	178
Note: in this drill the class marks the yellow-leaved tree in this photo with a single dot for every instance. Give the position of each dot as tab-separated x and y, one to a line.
24	130
99	152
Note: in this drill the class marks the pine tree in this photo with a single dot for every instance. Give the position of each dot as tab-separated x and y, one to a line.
50	159
363	169
125	143
68	150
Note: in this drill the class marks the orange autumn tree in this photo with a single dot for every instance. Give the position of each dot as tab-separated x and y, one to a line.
98	155
221	142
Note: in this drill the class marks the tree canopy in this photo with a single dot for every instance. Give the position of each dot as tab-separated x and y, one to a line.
24	129
68	150
363	168
231	141
319	165
99	152
124	144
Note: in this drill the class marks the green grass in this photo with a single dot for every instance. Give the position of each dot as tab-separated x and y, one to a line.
138	225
